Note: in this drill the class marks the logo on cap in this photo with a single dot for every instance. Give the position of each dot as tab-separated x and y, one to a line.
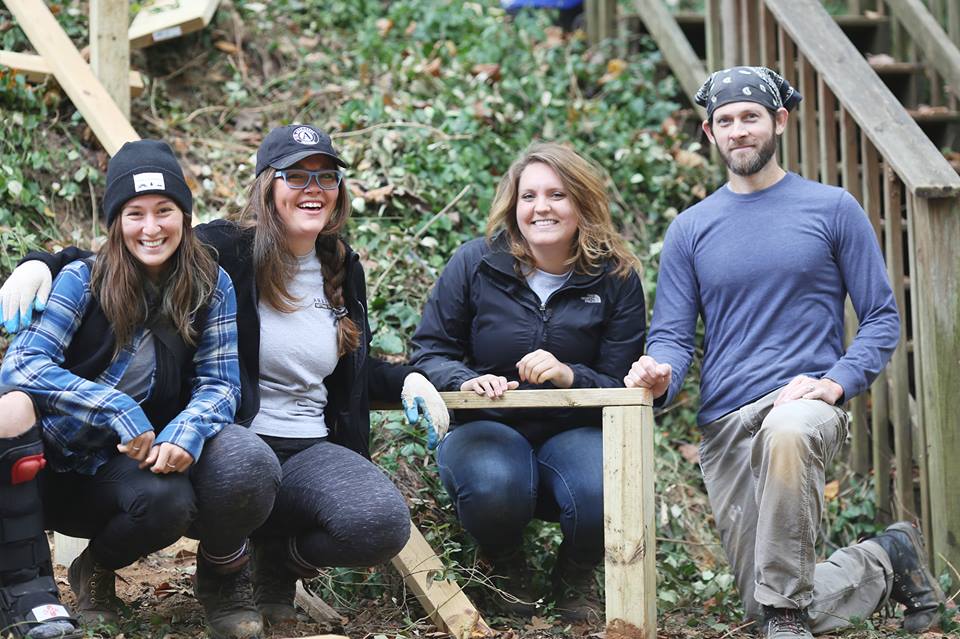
148	182
305	135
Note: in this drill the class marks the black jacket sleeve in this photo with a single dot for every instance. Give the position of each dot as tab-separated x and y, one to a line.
56	261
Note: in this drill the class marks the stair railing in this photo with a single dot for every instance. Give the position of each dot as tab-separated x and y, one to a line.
851	131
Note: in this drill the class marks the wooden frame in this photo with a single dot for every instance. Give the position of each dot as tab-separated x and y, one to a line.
167	19
36	69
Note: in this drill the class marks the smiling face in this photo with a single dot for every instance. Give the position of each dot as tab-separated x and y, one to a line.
152	228
305	212
745	135
546	216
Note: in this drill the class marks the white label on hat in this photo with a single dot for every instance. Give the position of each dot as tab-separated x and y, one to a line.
148	182
49	611
305	135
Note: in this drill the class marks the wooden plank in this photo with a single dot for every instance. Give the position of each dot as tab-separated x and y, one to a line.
938	48
898	138
791	135
936	287
630	574
714	31
768	37
827	109
315	607
749	32
879	426
953	23
849	156
35	69
110	49
730	18
897	370
87	94
809	154
591	17
674	46
168	19
919	431
66	549
571	398
442	599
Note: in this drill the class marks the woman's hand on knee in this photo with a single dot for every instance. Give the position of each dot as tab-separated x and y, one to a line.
167	458
490	385
139	447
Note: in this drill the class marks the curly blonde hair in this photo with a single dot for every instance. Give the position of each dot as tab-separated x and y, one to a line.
596	240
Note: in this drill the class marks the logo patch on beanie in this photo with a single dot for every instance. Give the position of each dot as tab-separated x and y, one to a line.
305	135
148	182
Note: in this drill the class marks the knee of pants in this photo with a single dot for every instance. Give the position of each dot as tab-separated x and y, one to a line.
394	532
238	470
784	433
166	505
495	495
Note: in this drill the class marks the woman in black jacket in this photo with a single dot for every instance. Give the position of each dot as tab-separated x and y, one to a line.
306	373
549	299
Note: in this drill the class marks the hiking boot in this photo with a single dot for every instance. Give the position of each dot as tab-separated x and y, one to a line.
913	584
227	600
785	623
509	574
96	590
274	583
575	590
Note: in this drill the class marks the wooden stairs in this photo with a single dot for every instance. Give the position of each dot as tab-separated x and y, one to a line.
891	52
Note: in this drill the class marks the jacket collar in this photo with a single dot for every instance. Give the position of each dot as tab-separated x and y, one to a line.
502	261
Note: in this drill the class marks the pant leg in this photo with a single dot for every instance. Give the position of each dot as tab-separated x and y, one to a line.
235	481
124	511
571	474
766	492
490	471
340	509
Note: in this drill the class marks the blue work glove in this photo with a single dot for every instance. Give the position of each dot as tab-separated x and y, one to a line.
25	291
422	403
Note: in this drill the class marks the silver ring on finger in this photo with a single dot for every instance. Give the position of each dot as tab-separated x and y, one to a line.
136	449
171	465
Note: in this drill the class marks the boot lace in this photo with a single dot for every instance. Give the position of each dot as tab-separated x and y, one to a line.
787	621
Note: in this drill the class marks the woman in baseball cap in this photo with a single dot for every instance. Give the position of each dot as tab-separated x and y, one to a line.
134	374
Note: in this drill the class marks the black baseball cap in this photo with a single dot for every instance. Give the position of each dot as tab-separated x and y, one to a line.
286	145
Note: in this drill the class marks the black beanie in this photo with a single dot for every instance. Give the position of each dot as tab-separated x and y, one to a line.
141	168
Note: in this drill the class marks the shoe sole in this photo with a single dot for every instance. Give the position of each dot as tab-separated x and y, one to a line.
913	534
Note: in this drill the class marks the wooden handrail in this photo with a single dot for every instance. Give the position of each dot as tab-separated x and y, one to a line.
871	104
942	54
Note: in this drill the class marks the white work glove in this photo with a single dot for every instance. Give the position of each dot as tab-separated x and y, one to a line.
25	291
421	400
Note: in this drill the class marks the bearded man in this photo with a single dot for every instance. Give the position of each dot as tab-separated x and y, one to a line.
767	261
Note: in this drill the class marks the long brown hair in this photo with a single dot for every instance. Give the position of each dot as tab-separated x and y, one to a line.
596	239
276	264
119	283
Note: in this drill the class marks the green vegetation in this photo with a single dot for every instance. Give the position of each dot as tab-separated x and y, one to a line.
429	102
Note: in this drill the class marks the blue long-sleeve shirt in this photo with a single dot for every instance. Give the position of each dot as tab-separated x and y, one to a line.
68	402
769	272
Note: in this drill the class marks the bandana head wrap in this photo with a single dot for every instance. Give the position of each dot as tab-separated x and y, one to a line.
747	84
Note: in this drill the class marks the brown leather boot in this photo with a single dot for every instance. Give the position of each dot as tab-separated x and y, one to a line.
914	585
575	590
227	599
274	583
96	590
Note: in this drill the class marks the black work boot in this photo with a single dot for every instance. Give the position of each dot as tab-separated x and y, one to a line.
575	589
785	623
29	600
226	595
510	576
95	588
274	582
913	584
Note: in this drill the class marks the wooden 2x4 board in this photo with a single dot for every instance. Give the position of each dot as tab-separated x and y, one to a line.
167	19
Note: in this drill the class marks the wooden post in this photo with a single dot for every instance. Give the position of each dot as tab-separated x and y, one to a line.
827	106
791	136
110	49
442	599
729	19
96	106
629	524
714	31
937	285
809	155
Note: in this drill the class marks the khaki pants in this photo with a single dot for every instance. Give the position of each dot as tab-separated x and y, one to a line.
764	472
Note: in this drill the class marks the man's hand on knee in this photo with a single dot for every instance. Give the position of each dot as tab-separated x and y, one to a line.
803	387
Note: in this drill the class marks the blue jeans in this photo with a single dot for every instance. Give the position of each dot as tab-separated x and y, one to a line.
498	482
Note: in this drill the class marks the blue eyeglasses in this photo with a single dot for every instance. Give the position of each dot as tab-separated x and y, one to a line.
300	178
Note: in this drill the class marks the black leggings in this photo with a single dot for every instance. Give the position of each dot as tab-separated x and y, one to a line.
128	513
338	506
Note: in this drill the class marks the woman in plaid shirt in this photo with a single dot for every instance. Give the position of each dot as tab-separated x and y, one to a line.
133	372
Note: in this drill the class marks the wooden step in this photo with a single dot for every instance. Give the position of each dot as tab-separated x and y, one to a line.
941	125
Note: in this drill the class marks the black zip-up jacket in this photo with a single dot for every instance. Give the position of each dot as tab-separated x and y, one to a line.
482	317
357	376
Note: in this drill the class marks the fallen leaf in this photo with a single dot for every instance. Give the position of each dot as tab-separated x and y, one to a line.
538	623
489	71
690	452
433	67
384	25
226	47
831	490
378	195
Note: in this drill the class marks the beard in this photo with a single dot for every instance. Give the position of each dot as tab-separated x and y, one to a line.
751	163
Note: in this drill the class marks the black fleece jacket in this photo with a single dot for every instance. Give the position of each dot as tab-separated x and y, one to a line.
357	378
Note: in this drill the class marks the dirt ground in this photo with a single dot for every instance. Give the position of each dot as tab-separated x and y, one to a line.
159	594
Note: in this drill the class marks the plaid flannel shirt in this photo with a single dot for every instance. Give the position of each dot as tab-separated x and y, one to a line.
67	402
